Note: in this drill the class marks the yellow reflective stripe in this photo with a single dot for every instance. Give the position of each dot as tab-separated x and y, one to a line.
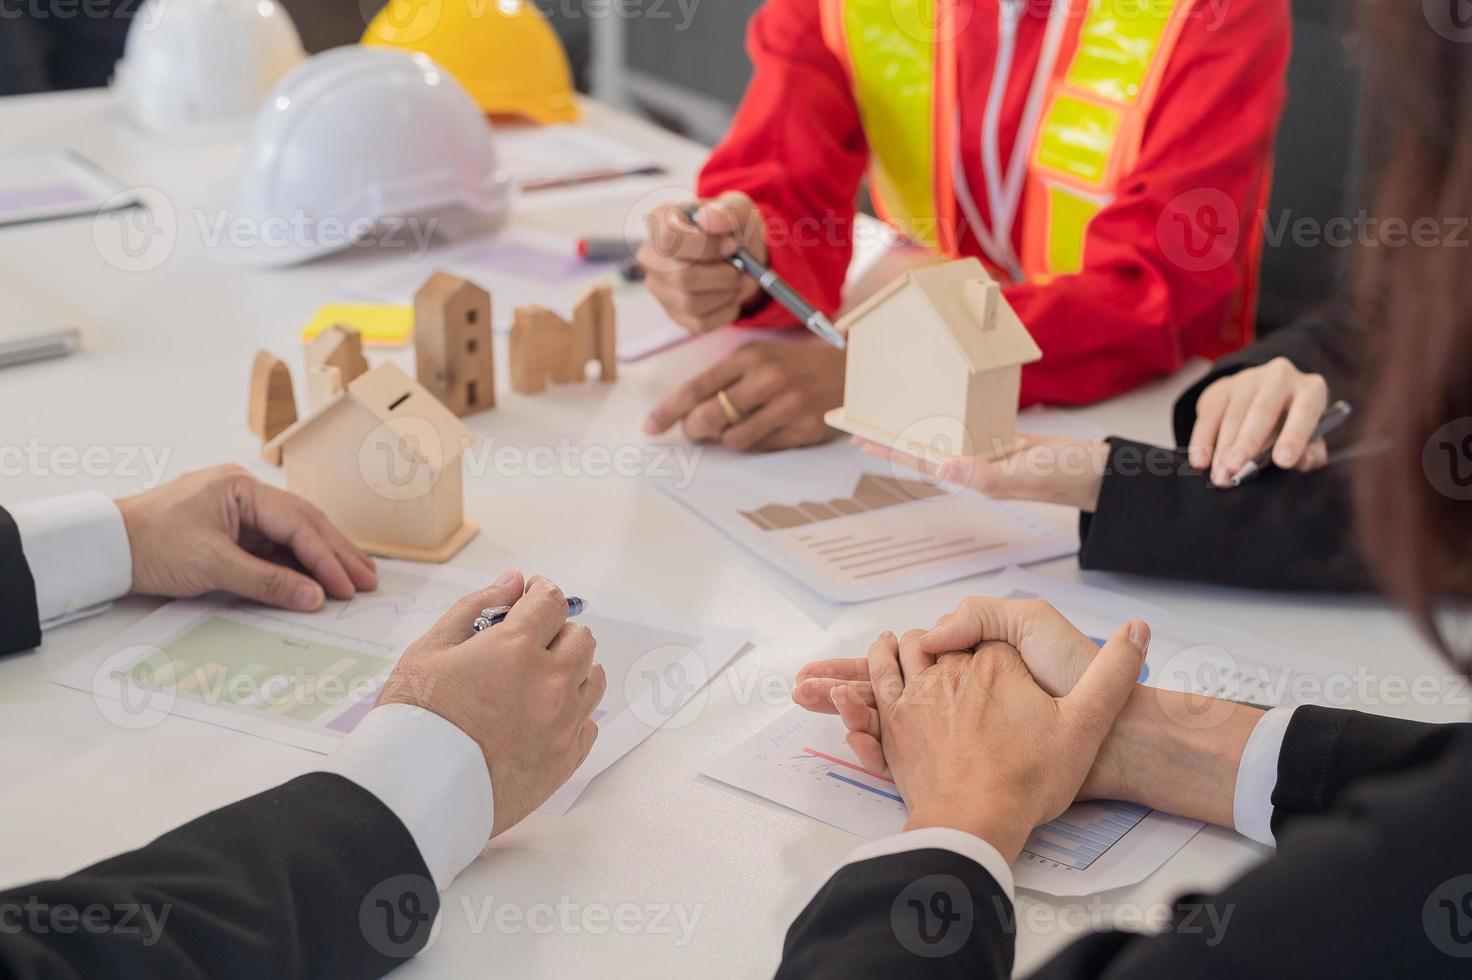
1116	45
892	52
1078	137
1069	215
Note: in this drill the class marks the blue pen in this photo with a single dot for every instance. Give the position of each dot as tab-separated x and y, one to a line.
497	614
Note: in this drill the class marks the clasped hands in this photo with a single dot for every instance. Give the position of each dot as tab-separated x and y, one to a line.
993	721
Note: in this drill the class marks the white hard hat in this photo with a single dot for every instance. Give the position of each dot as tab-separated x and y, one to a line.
202	67
359	143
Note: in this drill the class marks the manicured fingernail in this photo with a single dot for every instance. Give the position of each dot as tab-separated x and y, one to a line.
507	577
308	596
1140	635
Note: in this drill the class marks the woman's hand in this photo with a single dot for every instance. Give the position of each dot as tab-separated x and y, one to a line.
223	529
1045	469
975	744
1054	651
1237	416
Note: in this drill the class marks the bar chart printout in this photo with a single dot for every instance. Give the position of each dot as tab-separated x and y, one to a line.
800	762
851	531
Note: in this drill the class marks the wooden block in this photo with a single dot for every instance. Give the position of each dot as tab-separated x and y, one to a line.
540	345
272	402
322	383
594	329
453	357
340	347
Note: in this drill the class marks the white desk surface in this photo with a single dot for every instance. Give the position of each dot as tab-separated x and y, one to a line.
166	359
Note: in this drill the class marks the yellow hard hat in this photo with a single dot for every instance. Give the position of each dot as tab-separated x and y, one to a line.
503	51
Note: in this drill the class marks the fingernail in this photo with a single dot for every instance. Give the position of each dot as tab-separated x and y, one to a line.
1140	635
833	696
507	577
308	596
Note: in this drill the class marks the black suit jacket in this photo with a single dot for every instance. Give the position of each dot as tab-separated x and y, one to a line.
315	878
1283	531
1373	878
20	624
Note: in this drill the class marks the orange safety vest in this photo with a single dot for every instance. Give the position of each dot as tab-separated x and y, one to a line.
900	57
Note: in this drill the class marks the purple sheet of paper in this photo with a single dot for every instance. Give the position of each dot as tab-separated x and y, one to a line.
40	198
529	262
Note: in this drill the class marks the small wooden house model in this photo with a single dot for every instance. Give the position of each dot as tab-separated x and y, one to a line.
381	458
935	364
452	343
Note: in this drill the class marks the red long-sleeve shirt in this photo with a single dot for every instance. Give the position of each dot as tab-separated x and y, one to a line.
1133	312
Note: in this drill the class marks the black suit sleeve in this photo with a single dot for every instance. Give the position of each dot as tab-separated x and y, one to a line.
1377	884
1286	531
931	913
315	878
20	622
1326	751
1325	341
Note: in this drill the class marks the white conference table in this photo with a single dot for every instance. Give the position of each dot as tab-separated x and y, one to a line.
164	369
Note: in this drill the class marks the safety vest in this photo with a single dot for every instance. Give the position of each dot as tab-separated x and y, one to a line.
900	57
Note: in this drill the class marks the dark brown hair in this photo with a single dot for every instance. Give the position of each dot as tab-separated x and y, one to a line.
1415	302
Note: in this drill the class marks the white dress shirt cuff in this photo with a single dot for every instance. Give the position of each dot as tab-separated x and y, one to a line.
945	839
1257	775
78	553
431	775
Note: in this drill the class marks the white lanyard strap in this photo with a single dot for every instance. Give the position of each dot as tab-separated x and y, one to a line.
1004	190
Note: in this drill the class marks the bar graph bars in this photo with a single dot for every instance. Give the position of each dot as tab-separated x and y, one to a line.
1082	835
228	662
871	493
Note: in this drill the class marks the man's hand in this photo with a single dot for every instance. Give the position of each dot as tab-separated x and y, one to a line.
975	744
780	389
523	689
1051	470
685	264
1239	416
1054	651
222	529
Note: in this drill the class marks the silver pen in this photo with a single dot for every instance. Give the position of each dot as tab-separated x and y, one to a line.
780	290
1333	417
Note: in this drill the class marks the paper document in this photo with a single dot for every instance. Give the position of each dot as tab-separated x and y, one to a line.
55	184
800	760
539	156
853	528
520	268
307	679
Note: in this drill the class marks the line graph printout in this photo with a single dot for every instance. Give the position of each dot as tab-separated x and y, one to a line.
308	679
800	762
852	528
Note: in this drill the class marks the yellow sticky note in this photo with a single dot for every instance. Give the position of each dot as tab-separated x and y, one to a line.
382	325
